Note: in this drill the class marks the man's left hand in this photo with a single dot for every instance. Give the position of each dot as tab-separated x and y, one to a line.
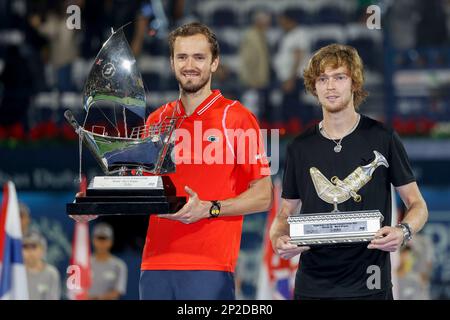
194	210
387	239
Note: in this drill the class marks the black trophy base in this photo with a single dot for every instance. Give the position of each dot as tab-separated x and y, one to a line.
116	203
112	196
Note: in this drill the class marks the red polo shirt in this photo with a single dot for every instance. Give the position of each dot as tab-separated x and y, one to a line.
218	152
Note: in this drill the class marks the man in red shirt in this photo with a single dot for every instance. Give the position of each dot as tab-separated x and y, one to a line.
221	168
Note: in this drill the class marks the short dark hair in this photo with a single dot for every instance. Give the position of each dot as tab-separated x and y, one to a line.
192	29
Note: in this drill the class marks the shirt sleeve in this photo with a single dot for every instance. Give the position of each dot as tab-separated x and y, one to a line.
290	188
122	275
300	40
400	172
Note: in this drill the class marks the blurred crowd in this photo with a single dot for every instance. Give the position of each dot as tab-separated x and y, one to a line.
415	269
264	46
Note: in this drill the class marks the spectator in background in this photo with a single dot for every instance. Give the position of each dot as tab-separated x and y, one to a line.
100	16
402	17
289	62
409	282
109	273
25	218
22	74
423	252
62	40
431	28
43	279
225	79
16	88
254	64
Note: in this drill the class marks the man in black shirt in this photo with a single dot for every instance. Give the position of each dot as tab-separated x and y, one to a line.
343	141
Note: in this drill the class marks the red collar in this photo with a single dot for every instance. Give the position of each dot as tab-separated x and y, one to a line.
205	105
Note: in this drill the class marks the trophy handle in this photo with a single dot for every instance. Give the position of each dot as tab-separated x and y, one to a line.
80	131
72	121
163	154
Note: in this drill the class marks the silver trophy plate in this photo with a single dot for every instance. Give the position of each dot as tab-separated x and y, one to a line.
334	228
125	182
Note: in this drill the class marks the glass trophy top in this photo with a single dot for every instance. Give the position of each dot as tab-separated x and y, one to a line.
115	82
115	77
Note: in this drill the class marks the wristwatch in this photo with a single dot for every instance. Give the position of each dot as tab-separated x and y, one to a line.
214	211
407	234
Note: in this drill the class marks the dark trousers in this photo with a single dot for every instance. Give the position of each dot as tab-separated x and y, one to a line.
186	285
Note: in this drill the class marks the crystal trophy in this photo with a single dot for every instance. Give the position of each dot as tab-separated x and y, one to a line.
134	161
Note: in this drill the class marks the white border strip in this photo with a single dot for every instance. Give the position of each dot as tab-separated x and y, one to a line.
225	127
209	104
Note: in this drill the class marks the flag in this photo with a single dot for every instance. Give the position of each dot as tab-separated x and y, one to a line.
13	275
80	263
277	276
79	281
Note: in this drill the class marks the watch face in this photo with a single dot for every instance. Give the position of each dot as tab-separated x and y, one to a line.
214	211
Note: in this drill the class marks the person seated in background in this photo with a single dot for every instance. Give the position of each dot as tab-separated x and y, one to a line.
109	273
410	286
44	281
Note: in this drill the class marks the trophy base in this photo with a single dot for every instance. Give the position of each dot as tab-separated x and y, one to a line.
334	228
127	196
125	205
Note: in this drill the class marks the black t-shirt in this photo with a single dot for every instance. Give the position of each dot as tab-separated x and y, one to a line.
343	270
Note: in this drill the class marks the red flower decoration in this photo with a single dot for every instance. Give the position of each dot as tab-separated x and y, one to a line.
16	131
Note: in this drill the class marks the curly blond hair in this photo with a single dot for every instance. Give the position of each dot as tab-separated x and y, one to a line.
335	56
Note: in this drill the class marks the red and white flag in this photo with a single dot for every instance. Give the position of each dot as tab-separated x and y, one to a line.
277	276
79	280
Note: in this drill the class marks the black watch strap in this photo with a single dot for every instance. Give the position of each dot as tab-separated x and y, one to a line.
214	211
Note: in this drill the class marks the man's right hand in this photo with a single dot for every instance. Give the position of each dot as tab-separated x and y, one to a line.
287	250
83	218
